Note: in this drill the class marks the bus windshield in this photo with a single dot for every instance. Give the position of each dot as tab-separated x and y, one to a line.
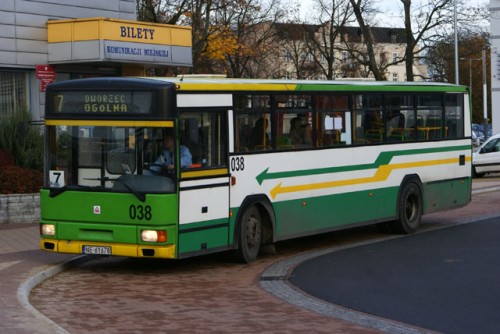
110	158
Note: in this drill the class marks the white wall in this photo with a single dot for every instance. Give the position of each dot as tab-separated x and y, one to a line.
495	66
23	25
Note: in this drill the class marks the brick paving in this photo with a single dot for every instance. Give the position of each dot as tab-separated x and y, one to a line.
205	294
20	259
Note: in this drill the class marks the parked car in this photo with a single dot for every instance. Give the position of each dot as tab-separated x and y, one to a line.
486	159
477	137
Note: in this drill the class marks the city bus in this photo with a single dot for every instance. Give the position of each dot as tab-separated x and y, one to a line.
252	162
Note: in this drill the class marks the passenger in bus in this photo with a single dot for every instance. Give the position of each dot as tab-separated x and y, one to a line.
166	159
300	131
260	138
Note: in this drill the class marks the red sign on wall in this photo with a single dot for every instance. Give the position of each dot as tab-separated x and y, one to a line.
46	74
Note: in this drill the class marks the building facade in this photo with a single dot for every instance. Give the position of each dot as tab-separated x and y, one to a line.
306	52
44	40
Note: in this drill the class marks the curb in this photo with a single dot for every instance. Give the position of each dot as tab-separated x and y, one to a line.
24	290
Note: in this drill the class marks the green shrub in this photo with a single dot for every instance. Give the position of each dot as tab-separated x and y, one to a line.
23	140
18	180
21	152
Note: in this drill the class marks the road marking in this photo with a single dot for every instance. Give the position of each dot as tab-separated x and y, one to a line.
5	265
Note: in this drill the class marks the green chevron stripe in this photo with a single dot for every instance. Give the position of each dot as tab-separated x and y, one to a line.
384	158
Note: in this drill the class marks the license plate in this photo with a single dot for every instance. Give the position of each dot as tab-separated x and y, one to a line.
101	250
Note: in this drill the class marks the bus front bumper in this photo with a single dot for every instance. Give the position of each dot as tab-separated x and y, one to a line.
113	249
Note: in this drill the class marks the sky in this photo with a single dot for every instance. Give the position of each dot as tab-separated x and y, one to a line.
391	10
395	7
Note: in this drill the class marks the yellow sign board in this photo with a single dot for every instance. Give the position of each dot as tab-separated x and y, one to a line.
112	40
88	29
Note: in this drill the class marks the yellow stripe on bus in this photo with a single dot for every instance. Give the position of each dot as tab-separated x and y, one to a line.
243	86
381	174
122	123
201	173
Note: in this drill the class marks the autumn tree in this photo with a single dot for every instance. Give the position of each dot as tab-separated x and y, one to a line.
224	39
440	60
250	23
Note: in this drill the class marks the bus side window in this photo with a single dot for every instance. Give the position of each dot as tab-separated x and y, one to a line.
204	133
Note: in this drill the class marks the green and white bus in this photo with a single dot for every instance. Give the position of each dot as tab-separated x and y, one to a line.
269	160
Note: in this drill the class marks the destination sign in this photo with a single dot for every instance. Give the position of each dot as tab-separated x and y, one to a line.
99	102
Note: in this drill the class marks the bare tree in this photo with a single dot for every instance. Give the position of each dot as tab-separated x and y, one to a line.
332	16
440	60
160	11
425	23
362	8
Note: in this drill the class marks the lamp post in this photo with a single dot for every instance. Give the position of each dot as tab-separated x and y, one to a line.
485	88
470	70
456	40
485	96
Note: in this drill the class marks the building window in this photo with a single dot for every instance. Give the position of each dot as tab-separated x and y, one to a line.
14	92
394	57
345	56
394	77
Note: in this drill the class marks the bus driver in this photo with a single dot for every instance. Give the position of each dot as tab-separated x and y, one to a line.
166	159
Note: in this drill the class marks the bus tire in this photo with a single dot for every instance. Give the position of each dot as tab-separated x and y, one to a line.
410	209
250	237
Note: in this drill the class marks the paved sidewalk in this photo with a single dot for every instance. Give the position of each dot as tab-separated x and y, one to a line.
23	265
20	259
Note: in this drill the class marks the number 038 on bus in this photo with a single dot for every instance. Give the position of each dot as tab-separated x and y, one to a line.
170	168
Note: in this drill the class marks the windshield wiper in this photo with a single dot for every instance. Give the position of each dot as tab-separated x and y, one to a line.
140	195
57	191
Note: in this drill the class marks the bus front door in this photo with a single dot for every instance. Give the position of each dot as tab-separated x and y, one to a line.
203	215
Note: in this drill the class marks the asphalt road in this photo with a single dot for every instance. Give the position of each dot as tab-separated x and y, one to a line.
444	280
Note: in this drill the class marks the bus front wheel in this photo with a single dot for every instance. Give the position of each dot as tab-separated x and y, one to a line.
250	234
410	209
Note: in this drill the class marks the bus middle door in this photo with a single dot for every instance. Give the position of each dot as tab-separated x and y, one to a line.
204	187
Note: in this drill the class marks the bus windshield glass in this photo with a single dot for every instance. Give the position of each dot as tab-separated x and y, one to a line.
110	158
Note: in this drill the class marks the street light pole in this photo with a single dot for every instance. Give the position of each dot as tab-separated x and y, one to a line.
470	75
485	96
456	41
470	70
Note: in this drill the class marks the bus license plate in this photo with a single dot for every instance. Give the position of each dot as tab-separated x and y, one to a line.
101	250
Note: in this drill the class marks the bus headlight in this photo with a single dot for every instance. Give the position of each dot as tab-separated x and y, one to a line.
153	236
48	229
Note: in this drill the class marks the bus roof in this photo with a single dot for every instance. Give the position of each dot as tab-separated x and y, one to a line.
213	84
224	84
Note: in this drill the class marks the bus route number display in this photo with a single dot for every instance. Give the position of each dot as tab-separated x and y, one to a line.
100	102
56	178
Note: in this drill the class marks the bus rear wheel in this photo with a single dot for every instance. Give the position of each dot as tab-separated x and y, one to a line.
410	209
250	234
